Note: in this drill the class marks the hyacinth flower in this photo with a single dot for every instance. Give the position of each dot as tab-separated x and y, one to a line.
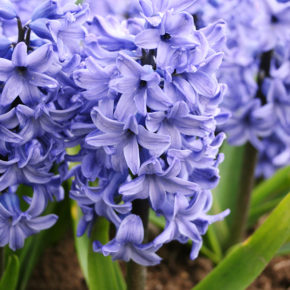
127	243
177	121
70	31
187	220
175	31
17	225
98	200
154	182
255	69
36	107
25	73
94	79
141	98
252	55
139	84
125	138
151	109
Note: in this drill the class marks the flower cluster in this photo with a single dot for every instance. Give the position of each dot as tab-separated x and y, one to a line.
140	98
146	129
36	107
256	70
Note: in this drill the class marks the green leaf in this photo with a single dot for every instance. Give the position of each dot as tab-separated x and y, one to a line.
277	185
268	194
214	242
81	243
258	211
158	221
284	250
102	271
10	277
225	194
247	260
99	271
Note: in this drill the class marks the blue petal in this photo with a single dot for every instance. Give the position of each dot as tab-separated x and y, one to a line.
137	188
47	9
6	68
19	56
41	80
7	10
40	59
12	89
16	238
157	193
156	143
107	139
131	230
196	246
105	124
38	202
43	222
131	153
148	38
145	257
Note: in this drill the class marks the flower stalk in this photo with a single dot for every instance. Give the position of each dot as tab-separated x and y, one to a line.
137	274
244	195
249	164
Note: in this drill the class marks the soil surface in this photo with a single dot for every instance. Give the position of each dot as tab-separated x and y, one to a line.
58	269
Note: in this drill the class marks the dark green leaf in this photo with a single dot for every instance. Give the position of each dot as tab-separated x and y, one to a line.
225	194
10	277
103	273
272	188
81	243
268	194
284	250
247	260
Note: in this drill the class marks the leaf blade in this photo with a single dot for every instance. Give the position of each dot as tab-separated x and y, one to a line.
247	260
103	273
10	277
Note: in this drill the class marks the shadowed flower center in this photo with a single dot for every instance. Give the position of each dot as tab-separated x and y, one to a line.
21	69
274	19
165	37
142	84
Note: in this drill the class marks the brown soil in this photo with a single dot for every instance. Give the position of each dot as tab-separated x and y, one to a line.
58	269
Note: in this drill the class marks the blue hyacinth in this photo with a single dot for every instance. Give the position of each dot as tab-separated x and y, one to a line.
36	108
147	129
256	70
141	99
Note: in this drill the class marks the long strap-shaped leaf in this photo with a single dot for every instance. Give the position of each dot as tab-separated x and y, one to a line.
103	273
268	194
247	260
10	277
100	272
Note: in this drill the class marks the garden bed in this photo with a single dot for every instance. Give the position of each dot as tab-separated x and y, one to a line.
58	269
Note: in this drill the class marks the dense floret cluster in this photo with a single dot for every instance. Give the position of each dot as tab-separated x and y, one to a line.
257	72
147	130
138	95
36	107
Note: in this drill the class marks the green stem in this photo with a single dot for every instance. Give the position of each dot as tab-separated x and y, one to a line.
137	274
239	224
